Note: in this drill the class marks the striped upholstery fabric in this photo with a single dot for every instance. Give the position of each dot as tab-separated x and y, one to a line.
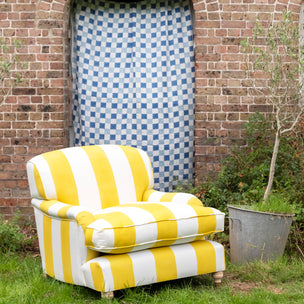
98	176
74	188
112	272
138	226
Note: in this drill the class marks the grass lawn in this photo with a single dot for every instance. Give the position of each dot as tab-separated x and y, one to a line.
21	281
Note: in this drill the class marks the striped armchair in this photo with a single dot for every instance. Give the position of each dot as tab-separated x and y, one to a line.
100	223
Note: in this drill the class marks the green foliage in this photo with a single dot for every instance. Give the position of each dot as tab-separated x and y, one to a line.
244	174
281	281
276	203
11	239
9	78
280	58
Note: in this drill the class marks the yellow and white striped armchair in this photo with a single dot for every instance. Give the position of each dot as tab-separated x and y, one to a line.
101	225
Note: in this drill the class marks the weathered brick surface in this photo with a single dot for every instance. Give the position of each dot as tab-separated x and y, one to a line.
224	98
32	120
35	118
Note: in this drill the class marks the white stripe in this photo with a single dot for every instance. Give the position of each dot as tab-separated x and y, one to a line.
36	202
107	273
87	188
144	222
220	218
144	232
182	198
219	255
56	246
46	176
186	218
144	268
82	249
31	179
186	260
122	173
85	269
39	224
102	237
183	240
53	210
155	197
74	211
148	165
76	244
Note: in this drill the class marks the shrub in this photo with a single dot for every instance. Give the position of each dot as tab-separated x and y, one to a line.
11	239
244	173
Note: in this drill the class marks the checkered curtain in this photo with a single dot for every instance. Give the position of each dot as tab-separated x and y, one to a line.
133	81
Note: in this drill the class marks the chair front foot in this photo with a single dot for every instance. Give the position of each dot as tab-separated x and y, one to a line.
218	277
109	295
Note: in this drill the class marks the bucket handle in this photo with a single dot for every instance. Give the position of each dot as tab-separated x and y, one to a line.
235	219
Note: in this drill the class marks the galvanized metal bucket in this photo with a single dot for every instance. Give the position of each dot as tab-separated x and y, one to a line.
257	235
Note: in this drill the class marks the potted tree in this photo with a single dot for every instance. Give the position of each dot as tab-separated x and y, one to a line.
275	53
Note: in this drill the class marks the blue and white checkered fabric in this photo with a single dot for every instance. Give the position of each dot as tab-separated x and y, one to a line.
133	78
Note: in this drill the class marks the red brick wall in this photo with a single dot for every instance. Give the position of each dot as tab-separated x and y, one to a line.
35	118
223	98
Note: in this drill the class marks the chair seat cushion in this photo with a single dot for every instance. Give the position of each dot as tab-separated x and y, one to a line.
137	226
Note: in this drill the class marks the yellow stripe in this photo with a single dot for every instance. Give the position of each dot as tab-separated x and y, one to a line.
63	177
139	171
48	247
66	252
104	176
206	222
122	271
45	205
205	256
165	229
165	264
168	197
84	219
123	235
97	276
89	237
91	254
39	183
62	212
195	201
147	194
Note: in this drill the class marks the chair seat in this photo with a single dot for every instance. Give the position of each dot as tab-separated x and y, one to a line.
113	272
138	226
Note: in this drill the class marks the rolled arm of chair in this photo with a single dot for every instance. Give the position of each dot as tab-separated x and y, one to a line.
154	196
62	211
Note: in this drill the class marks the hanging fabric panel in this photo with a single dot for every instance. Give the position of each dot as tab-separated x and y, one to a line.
133	81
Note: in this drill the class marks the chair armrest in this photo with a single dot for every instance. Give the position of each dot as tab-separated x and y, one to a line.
62	211
154	196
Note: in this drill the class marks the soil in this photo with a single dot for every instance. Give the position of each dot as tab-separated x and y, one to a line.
31	245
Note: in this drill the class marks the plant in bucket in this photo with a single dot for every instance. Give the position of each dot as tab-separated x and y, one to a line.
259	228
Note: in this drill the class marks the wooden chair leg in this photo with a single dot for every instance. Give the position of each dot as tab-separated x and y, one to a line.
109	295
218	277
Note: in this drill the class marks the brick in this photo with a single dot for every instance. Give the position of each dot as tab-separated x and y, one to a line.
49	24
232	40
235	108
234	91
208	74
208	91
33	119
260	108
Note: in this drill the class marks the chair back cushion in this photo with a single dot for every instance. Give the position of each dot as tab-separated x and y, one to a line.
95	177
